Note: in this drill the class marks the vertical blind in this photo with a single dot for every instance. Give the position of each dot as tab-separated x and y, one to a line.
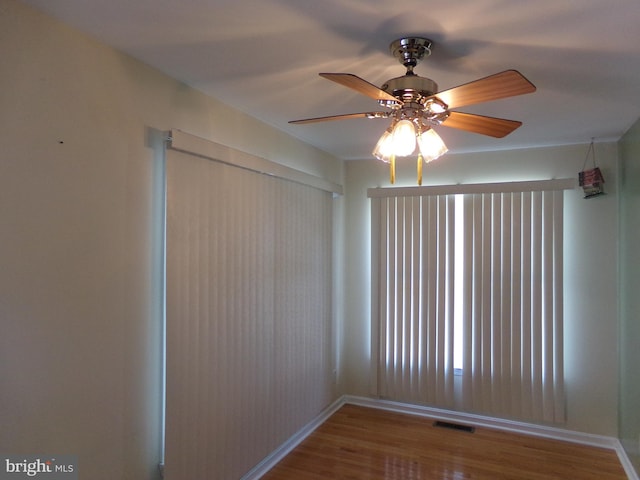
248	347
412	298
509	297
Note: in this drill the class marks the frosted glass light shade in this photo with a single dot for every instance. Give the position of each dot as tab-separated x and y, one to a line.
431	145
404	138
384	148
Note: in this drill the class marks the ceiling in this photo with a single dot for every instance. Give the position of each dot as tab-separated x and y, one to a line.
263	57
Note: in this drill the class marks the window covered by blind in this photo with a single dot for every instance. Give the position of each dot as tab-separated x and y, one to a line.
492	278
248	344
413	297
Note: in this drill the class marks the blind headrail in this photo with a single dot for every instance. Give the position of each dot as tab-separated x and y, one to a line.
502	187
187	143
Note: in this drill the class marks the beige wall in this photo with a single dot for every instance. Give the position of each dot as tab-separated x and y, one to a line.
79	260
591	359
629	299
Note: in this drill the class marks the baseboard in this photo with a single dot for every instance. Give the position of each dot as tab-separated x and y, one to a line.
630	448
278	454
446	415
485	421
627	464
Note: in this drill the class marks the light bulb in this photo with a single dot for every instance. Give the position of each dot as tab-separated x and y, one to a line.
431	145
404	138
436	106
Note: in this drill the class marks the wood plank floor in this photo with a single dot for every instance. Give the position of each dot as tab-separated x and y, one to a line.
366	443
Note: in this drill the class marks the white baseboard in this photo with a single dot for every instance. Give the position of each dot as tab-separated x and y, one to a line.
278	454
630	447
447	415
485	421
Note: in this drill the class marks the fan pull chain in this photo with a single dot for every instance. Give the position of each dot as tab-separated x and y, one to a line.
419	167
392	169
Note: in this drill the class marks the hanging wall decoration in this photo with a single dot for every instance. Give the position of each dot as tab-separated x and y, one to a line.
591	180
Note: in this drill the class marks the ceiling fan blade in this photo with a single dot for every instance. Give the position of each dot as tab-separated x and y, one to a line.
359	85
501	85
342	117
491	126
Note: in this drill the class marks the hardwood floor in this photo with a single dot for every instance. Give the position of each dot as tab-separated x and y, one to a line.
366	443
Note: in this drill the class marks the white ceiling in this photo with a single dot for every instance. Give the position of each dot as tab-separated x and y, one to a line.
263	57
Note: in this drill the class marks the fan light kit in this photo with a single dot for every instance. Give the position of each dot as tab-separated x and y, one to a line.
415	106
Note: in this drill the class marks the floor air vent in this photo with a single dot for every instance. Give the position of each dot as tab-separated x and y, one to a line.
454	426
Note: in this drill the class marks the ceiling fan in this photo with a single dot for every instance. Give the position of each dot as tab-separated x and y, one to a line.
415	105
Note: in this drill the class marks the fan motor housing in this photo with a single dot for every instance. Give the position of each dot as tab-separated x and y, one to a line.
410	50
410	89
